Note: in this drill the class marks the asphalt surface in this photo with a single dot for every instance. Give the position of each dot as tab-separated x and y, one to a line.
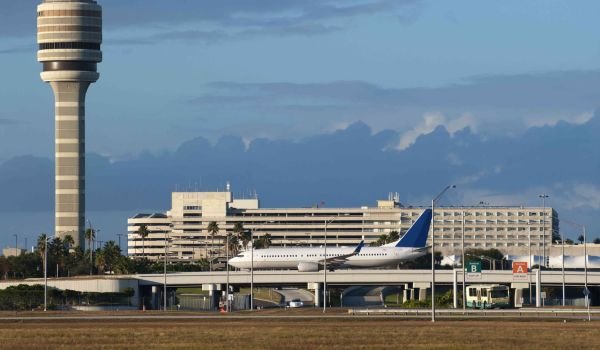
295	293
379	313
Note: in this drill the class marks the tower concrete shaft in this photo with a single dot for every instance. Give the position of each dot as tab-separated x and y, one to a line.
69	38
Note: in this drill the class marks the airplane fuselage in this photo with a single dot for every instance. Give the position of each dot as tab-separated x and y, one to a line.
291	258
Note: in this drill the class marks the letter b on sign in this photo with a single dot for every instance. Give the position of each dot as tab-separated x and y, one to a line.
474	267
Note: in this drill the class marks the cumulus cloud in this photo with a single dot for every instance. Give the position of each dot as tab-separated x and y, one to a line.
552	120
265	17
580	195
432	121
491	106
473	178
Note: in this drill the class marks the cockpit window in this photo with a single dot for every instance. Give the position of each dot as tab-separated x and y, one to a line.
239	256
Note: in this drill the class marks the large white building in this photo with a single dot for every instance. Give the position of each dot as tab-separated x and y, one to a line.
184	228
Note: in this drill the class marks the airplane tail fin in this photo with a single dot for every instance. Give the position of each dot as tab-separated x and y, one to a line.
416	236
359	246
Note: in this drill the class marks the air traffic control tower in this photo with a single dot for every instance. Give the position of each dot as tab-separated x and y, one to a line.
69	34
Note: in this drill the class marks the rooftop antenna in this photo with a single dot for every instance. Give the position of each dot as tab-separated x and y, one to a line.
228	187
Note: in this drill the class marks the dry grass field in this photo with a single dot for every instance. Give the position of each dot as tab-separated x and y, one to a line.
290	334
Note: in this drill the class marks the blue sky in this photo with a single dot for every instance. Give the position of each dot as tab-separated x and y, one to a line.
289	70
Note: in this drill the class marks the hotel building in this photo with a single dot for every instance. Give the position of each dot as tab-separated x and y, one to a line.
184	228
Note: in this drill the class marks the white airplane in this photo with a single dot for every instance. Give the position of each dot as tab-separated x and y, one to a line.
311	259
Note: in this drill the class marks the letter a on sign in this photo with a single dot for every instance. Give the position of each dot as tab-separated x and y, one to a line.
519	271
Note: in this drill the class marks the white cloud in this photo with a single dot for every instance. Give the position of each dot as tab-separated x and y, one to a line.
580	196
568	196
430	122
578	119
454	159
477	176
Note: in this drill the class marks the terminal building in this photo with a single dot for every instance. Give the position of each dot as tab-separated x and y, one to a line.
182	232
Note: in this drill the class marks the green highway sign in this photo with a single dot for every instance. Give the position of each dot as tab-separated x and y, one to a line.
474	267
474	270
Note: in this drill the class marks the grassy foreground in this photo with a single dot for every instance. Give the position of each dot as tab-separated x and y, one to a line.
298	334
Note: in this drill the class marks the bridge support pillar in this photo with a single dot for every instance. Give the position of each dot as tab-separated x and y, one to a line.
422	286
155	297
318	294
411	294
455	288
422	294
405	295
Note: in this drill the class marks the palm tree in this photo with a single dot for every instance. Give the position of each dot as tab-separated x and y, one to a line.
213	229
68	243
393	236
90	235
57	250
41	248
580	239
233	244
110	254
41	244
380	241
143	232
266	240
243	236
100	261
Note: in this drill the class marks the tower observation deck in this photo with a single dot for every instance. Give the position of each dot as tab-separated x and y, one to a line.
69	34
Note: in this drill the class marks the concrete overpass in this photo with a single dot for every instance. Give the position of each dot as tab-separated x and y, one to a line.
411	281
356	277
414	283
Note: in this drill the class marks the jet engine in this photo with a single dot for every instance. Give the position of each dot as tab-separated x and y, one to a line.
308	267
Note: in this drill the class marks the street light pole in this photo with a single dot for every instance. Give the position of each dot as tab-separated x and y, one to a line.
433	249
45	272
543	196
464	288
16	243
585	257
325	270
530	264
252	271
165	276
227	266
562	238
119	235
90	247
327	222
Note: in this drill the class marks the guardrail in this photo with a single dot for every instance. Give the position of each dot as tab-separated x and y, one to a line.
548	313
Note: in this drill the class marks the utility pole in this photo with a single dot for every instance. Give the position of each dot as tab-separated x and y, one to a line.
119	235
433	249
464	288
165	275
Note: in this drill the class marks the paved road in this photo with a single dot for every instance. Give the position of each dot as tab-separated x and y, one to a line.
444	314
289	294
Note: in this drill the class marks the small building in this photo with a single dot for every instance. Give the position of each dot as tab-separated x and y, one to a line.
12	251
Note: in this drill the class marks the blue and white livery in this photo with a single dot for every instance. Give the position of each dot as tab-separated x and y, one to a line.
311	259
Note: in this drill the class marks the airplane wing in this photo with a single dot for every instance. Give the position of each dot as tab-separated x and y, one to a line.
336	261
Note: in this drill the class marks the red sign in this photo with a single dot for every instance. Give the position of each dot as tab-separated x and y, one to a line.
519	270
